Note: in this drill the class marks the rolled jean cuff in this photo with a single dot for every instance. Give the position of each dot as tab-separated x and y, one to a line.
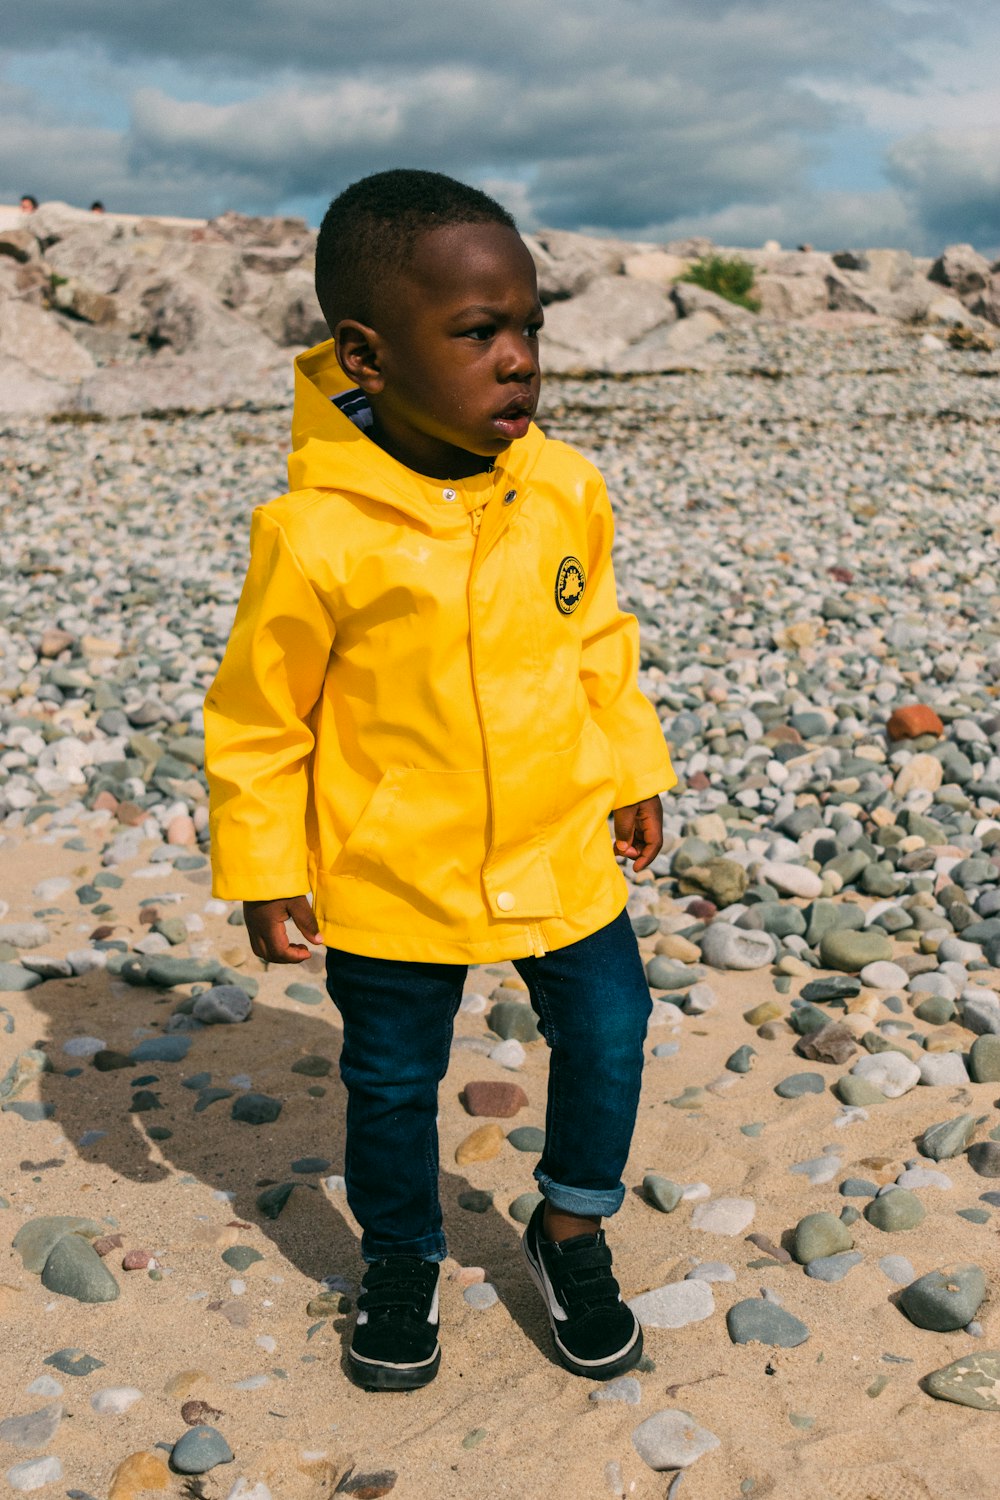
587	1202
429	1247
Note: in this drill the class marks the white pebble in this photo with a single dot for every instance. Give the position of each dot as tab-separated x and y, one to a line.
509	1054
729	1216
675	1305
890	1072
114	1399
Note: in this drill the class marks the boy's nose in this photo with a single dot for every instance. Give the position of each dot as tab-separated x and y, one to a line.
520	361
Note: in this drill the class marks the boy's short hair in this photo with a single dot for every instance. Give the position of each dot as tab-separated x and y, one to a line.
369	231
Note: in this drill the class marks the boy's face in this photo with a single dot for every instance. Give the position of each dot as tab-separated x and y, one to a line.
452	369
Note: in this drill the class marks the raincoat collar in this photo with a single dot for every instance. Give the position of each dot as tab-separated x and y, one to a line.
330	452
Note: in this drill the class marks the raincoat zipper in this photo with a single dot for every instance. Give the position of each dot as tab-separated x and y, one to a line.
477	518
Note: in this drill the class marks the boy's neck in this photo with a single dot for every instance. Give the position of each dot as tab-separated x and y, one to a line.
450	464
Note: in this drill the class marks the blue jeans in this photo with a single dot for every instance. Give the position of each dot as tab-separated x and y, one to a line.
592	1004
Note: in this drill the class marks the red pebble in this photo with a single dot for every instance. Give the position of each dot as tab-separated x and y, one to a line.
842	575
105	802
107	1243
913	720
130	814
698	782
137	1260
496	1098
703	910
100	933
148	915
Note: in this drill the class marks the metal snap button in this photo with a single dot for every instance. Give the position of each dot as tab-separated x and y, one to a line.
510	497
449	494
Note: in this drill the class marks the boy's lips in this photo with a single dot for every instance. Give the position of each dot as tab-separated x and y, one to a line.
515	418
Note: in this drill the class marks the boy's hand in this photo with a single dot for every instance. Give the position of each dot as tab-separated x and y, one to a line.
639	831
266	925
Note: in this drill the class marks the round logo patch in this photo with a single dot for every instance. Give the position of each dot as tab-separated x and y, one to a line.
571	581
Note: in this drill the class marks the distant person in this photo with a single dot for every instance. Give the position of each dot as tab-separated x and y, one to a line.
97	207
426	713
28	203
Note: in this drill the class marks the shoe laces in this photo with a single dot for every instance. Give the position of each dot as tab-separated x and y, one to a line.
586	1282
400	1284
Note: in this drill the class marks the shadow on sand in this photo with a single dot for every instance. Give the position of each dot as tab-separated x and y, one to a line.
313	1233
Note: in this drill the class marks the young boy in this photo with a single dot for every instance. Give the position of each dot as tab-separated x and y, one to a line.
427	711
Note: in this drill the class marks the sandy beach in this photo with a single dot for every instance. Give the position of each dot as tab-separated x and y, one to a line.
811	527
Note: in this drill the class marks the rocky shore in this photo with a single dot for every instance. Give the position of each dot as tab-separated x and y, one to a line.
808	531
115	315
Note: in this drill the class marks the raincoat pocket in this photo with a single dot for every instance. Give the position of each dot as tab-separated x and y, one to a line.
412	842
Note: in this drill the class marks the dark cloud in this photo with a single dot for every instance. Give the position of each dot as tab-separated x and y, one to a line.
693	113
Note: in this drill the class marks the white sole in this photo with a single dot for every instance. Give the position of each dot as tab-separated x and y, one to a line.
609	1366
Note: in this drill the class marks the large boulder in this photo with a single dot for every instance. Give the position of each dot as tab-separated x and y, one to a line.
290	314
39	341
986	304
590	332
888	269
963	269
672	347
567	263
276	232
690	299
656	265
786	297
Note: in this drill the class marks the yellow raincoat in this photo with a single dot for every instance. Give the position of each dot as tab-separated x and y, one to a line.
428	705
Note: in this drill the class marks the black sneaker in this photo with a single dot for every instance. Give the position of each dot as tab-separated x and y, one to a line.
595	1333
395	1343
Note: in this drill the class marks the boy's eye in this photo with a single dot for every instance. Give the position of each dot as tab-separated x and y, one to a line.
481	333
533	330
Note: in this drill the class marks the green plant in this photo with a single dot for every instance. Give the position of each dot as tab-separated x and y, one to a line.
730	278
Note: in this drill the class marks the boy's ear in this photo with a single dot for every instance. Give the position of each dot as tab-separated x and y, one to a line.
358	354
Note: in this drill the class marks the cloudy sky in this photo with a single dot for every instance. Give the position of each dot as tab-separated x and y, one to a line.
838	122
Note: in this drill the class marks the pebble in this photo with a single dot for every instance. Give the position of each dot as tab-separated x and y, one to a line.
923	1177
509	1054
74	1268
675	1305
494	1097
853	951
895	1211
728	1216
984	1059
523	1206
972	1380
256	1109
481	1295
711	1270
984	1158
757	1321
35	1430
200	1449
944	1301
672	1439
113	1400
948	1138
481	1145
222	1005
884	975
897	1268
661	1192
820	1235
727	947
34	1474
797	1084
889	1072
942	1069
625	1389
833	1267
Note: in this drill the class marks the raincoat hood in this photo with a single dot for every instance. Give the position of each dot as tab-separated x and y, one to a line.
428	705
